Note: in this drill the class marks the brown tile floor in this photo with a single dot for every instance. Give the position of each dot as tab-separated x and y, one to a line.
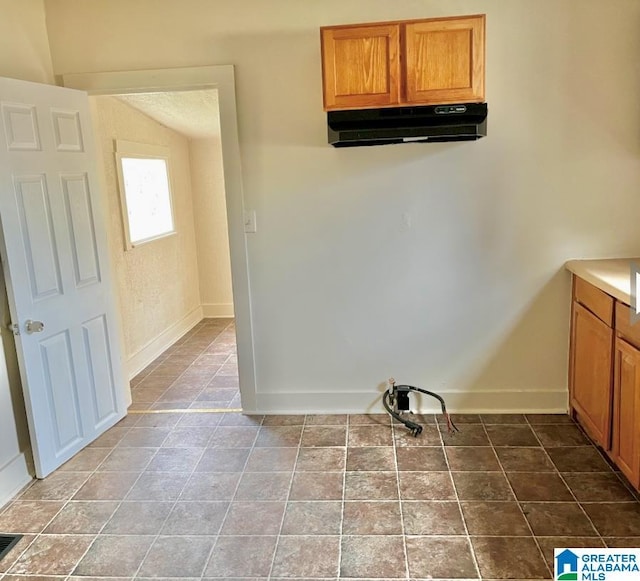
225	496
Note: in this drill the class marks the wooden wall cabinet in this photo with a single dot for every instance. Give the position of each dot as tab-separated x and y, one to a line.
604	375
361	66
417	62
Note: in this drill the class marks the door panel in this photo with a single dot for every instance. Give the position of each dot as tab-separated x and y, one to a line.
54	255
67	130
62	391
21	127
77	201
37	235
96	345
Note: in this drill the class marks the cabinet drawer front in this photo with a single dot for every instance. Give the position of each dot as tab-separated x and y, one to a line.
624	328
597	301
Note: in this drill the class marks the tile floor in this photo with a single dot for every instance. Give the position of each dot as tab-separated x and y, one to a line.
224	496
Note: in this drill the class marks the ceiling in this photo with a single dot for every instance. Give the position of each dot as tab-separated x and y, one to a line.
192	113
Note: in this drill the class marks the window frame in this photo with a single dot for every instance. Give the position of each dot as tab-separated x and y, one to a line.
133	149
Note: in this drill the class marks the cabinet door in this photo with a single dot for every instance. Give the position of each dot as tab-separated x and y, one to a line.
626	430
361	66
444	60
590	373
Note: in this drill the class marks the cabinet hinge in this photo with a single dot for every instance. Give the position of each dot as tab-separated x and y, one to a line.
15	329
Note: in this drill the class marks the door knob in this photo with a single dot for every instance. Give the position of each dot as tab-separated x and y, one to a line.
34	326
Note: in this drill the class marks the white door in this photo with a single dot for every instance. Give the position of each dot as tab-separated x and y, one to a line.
55	259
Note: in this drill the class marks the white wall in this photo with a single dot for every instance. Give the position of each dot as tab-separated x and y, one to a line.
158	282
210	219
15	451
24	54
440	264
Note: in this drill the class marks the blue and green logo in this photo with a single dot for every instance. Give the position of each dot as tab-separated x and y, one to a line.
597	564
567	566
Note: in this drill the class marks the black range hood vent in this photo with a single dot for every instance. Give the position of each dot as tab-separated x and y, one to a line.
433	123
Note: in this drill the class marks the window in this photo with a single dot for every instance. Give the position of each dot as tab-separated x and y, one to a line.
145	192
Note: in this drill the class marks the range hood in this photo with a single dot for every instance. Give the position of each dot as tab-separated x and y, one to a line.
433	123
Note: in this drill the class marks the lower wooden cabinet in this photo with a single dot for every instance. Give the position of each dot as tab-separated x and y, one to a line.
604	375
626	411
590	373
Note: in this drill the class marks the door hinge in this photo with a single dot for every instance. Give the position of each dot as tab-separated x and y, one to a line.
15	329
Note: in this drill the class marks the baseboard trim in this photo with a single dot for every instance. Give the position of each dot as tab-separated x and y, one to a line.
553	401
138	361
13	477
217	310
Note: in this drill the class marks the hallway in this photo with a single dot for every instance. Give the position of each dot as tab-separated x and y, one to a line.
199	371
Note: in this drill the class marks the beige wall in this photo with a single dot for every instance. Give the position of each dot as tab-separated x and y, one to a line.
210	213
24	45
157	282
24	54
440	264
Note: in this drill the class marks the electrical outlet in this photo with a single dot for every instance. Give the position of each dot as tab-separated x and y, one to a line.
250	225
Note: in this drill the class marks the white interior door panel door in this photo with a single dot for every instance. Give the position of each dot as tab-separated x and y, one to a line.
55	259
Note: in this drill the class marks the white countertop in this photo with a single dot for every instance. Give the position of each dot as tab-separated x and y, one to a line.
612	275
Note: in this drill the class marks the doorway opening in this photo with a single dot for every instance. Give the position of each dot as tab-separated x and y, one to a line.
221	78
174	290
